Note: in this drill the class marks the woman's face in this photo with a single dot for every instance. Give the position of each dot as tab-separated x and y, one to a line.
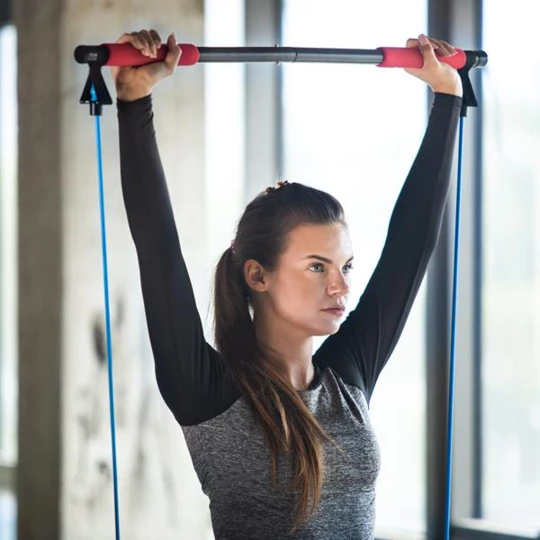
310	285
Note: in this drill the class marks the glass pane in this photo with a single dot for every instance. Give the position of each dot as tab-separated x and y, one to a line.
511	280
7	515
354	131
8	205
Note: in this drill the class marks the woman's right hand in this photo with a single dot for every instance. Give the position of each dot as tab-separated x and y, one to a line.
137	82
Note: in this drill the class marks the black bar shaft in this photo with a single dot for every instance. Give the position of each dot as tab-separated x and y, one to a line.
290	54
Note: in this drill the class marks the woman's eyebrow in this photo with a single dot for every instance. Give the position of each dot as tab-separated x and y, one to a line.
324	259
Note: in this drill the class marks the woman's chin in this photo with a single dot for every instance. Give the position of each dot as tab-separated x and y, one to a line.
326	329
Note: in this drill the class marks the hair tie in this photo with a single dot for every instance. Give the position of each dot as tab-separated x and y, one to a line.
280	184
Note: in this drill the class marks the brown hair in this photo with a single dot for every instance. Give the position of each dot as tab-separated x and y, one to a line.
288	424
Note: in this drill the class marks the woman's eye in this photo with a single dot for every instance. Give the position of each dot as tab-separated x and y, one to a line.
317	267
348	267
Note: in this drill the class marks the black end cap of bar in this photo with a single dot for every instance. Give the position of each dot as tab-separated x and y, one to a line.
86	54
475	59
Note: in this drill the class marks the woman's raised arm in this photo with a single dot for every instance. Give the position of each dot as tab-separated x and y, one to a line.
191	375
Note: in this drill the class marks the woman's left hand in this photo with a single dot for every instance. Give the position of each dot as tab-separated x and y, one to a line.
439	76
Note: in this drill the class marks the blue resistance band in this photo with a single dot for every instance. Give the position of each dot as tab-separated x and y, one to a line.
107	317
450	428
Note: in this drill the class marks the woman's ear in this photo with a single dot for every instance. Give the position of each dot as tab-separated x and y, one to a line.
256	276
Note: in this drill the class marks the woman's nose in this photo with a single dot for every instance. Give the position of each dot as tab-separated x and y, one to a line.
339	285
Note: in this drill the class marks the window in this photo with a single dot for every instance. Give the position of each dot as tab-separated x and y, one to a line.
8	159
511	274
354	131
8	381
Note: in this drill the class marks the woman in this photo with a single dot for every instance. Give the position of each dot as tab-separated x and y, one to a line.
280	438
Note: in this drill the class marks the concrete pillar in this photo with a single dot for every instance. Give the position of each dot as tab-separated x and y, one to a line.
64	474
40	271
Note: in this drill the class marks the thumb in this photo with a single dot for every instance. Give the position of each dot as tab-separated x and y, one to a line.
174	53
428	52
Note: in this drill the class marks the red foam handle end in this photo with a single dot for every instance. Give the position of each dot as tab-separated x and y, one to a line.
123	54
411	57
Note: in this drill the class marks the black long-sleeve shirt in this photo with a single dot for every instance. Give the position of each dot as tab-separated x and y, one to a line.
228	449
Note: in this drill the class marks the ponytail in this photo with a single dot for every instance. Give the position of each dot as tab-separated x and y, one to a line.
290	428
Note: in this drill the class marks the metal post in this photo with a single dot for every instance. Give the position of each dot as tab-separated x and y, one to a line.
437	338
263	118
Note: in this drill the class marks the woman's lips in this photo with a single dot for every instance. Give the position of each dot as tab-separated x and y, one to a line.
338	312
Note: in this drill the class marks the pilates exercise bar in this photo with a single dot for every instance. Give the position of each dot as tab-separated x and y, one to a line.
123	54
95	92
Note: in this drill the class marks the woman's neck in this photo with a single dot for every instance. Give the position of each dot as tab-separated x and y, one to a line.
291	351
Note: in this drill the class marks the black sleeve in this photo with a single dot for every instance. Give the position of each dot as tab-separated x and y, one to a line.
191	375
360	349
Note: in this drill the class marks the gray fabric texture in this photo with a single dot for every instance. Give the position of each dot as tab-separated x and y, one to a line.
231	457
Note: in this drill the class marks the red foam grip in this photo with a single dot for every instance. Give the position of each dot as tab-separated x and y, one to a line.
411	57
123	54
